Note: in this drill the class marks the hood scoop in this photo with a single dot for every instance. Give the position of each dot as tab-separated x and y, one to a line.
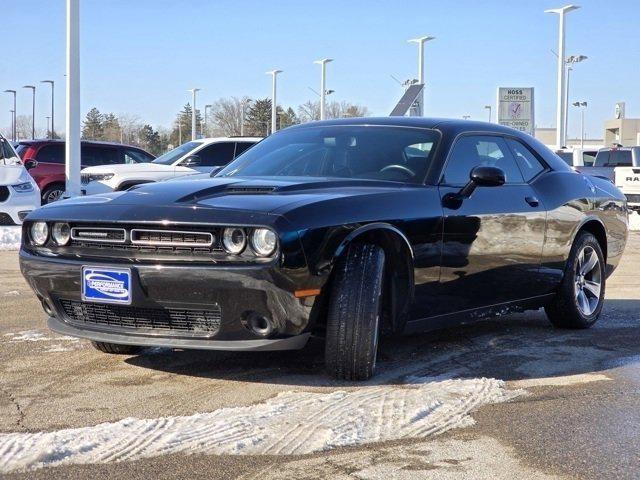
248	190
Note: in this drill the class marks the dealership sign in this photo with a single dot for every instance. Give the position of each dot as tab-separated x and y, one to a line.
515	108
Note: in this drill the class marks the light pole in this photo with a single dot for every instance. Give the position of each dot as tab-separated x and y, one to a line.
193	91
569	63
47	117
243	107
583	107
488	107
72	144
53	129
560	134
13	126
421	41
274	115
323	84
206	120
13	121
33	110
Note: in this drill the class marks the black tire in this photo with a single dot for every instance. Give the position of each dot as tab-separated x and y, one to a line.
115	349
52	193
355	310
566	310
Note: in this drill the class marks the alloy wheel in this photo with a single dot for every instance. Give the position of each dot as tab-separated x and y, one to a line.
588	281
54	195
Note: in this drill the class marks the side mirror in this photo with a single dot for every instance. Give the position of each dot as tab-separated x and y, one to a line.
191	161
29	164
481	176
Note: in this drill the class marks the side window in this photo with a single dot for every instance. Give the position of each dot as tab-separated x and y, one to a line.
472	151
620	158
529	165
602	158
93	156
588	159
216	155
242	146
51	154
135	156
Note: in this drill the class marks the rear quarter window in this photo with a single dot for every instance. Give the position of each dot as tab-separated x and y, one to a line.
51	154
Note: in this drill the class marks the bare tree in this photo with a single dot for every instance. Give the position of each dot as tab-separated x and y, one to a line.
130	126
345	109
309	111
226	116
23	128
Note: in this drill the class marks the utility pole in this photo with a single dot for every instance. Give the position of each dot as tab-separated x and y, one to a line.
274	103
53	129
72	144
421	41
323	84
488	107
194	134
560	110
13	126
33	110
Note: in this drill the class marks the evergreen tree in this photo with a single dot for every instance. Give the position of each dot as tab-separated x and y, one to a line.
183	124
286	118
258	121
150	140
92	127
111	130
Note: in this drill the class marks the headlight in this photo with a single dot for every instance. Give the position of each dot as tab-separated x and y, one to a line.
23	187
263	242
39	233
97	177
234	240
61	233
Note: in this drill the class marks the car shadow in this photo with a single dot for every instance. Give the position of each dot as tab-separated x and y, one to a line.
513	347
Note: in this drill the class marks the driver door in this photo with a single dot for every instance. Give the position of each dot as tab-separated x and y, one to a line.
492	240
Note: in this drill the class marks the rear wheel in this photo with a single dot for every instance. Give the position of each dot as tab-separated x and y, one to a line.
355	309
115	348
580	297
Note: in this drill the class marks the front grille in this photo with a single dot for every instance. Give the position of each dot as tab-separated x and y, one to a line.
4	193
84	178
204	323
172	238
5	219
633	198
98	234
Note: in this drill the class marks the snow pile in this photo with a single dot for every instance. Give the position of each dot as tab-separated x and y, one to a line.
634	221
10	238
290	423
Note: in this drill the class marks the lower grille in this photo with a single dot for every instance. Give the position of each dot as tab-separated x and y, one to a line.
162	320
5	219
633	198
4	193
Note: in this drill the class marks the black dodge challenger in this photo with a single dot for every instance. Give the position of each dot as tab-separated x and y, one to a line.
346	230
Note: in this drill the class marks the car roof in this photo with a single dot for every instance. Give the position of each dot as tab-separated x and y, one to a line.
39	142
228	139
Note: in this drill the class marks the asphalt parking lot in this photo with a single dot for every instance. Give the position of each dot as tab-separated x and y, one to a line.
506	398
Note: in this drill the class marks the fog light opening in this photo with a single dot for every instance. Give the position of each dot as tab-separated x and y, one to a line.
259	324
47	308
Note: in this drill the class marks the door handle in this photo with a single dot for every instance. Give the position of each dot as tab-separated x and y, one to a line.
533	201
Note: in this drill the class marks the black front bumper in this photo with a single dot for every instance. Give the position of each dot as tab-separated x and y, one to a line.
235	293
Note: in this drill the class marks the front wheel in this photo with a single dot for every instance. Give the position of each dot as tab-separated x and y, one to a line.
580	297
353	320
52	193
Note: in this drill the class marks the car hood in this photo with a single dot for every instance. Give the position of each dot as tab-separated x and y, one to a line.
192	199
136	168
13	174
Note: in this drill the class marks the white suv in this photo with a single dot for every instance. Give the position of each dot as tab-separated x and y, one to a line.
19	193
198	156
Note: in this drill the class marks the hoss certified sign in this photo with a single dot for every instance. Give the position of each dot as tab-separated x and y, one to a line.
516	108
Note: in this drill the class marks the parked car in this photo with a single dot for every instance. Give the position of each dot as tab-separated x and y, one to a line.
19	193
49	173
608	160
627	174
344	229
198	156
578	157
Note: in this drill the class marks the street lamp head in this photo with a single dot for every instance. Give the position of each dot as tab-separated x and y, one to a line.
488	107
323	61
329	92
273	72
576	58
194	90
561	10
29	86
47	81
424	39
10	91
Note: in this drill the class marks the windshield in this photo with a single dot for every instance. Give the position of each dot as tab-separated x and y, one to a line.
368	152
173	155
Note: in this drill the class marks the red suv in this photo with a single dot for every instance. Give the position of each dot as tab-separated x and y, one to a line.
49	155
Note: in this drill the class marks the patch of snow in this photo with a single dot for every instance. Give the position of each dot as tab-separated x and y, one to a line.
36	336
11	293
563	381
10	238
634	221
290	423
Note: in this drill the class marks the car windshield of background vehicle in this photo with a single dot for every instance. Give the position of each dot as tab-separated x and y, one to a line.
357	152
9	157
173	155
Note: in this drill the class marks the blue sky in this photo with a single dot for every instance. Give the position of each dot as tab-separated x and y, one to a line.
139	57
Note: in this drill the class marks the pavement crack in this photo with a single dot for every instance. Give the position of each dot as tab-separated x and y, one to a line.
21	415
